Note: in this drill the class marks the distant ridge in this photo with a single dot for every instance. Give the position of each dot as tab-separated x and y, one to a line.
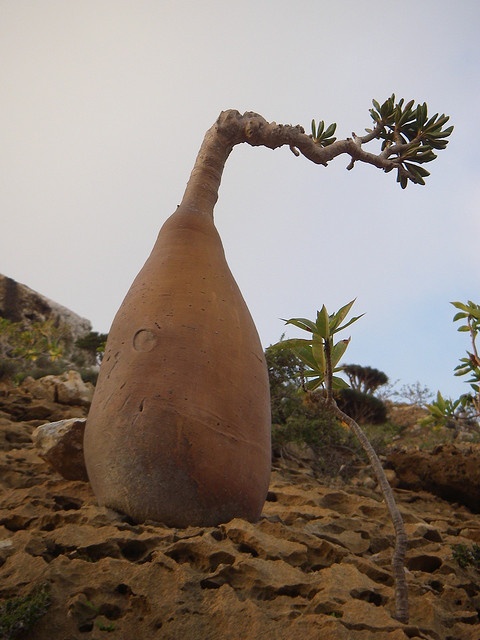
19	303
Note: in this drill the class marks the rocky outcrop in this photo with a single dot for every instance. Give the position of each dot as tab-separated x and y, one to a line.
67	388
19	303
46	399
316	565
450	471
61	445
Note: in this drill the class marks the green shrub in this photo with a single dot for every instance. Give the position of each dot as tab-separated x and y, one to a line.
364	408
465	556
18	615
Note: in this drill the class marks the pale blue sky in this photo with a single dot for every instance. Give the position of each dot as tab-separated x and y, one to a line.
105	103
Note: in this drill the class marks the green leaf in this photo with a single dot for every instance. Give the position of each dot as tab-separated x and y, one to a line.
306	356
461	305
341	314
302	323
349	323
440	401
339	383
322	325
331	130
338	351
311	385
293	343
318	352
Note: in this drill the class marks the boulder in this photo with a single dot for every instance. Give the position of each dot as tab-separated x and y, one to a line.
61	445
67	388
450	471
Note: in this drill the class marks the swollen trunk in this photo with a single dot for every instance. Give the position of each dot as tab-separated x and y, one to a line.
179	428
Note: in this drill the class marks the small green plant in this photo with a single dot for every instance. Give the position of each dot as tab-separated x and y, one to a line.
320	135
465	556
321	357
109	627
18	615
470	365
446	412
25	348
465	410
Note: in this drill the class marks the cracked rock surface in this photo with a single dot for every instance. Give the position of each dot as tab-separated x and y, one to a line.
316	564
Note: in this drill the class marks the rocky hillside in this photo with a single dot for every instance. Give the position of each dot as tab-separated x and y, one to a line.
19	303
316	565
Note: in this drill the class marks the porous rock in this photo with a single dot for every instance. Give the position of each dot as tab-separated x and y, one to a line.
67	388
61	445
450	471
301	571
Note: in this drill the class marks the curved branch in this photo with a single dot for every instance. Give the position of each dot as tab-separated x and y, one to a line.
232	128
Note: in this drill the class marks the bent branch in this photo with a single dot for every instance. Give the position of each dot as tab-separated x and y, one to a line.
232	128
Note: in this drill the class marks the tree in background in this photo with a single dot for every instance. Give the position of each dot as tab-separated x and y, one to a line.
94	344
359	401
364	379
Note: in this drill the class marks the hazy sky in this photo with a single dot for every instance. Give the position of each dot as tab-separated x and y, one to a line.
104	104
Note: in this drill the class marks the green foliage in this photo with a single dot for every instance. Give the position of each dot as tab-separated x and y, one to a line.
323	137
298	418
466	409
43	348
465	556
94	343
470	365
35	349
18	615
445	411
18	342
284	372
363	407
319	354
409	134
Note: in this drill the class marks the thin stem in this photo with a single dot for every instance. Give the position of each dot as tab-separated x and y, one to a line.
398	559
328	369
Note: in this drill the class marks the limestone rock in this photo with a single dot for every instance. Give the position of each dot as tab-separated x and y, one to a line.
67	388
451	472
61	445
316	565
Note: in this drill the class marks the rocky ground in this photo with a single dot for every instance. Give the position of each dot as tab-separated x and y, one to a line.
316	565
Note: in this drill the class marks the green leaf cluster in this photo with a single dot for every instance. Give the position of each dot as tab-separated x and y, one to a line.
319	354
470	365
18	615
445	410
408	131
465	556
321	135
467	407
30	342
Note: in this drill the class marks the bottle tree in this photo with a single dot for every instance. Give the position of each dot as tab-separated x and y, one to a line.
179	427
